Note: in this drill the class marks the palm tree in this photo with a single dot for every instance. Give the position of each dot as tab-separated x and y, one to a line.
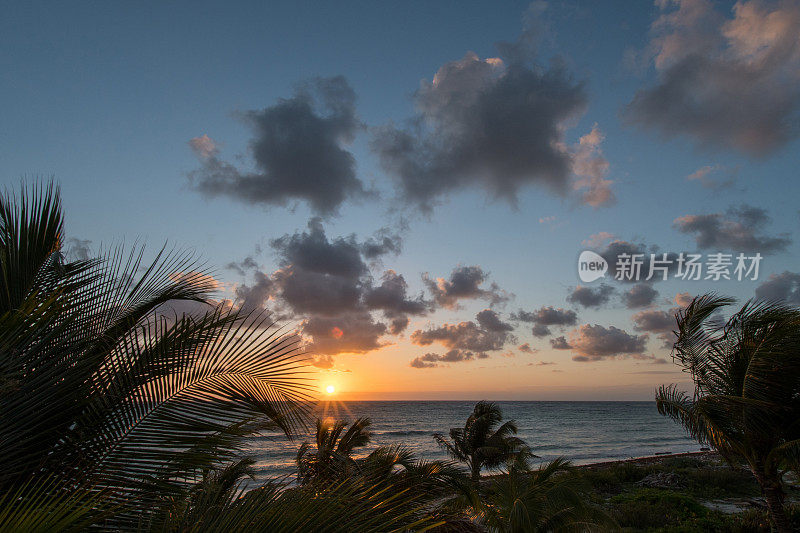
549	498
746	402
481	443
332	457
108	393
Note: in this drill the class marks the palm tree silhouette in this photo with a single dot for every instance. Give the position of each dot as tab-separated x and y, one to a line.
332	456
102	391
481	443
549	498
746	402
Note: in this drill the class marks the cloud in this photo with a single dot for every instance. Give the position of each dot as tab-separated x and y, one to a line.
356	332
725	82
591	168
307	291
431	360
737	230
526	348
314	252
204	146
496	123
640	295
298	150
255	296
595	343
243	266
490	321
597	239
616	250
385	241
464	283
655	321
703	176
560	343
683	299
546	316
78	249
327	284
391	297
783	286
467	336
591	297
418	362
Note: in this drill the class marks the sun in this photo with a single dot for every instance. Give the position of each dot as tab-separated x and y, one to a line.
330	389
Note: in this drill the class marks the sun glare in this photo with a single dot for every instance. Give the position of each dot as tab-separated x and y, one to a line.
330	389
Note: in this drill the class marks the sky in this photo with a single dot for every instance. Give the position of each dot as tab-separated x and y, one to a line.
411	184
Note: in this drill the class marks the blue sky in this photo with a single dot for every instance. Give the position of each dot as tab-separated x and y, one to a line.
106	97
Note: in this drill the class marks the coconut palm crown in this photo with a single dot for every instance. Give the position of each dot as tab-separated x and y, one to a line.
746	400
483	442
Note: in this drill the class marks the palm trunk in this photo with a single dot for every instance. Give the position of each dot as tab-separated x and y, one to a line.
475	467
773	494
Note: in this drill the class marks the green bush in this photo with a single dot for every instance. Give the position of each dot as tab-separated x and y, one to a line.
648	509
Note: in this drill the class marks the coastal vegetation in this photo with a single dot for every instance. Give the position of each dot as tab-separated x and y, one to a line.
121	411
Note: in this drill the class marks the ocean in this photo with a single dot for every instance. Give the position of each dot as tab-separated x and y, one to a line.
584	432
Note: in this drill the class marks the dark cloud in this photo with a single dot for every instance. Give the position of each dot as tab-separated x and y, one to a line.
431	360
560	343
243	266
298	151
725	82
356	332
464	283
496	123
254	297
737	230
320	275
398	325
466	336
314	252
327	284
594	343
540	330
418	362
78	249
662	323
546	316
385	241
490	320
783	286
391	297
307	291
617	252
591	296
654	321
640	295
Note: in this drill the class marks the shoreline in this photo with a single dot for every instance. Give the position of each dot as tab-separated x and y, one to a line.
650	459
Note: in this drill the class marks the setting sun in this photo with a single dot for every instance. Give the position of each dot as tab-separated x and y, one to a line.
330	389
